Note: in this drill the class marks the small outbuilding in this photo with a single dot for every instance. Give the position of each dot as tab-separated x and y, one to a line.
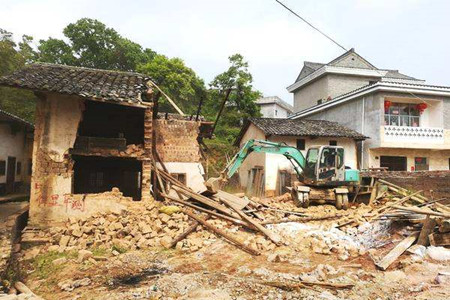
268	174
16	144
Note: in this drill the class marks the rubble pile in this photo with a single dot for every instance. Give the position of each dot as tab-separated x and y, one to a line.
144	225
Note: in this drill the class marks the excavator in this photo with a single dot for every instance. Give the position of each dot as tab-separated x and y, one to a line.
322	175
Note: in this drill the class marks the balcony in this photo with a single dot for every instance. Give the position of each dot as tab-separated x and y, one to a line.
419	135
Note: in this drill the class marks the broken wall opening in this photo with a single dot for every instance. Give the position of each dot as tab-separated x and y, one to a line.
112	121
94	174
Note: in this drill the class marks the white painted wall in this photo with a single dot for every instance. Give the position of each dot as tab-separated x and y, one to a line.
273	110
194	174
254	159
13	145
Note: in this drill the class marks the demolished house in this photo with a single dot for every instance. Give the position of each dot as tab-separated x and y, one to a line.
93	134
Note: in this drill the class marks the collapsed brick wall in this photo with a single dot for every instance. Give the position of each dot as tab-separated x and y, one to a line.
146	163
177	140
433	183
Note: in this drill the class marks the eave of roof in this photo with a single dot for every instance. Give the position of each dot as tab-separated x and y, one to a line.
335	70
112	86
16	118
390	86
299	128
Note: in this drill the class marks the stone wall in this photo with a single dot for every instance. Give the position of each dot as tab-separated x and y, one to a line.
177	140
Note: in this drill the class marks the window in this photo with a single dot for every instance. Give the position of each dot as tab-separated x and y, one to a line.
276	112
333	143
421	164
402	114
18	168
301	144
96	179
2	167
181	177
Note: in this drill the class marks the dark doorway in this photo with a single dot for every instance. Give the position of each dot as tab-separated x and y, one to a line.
10	174
100	174
393	163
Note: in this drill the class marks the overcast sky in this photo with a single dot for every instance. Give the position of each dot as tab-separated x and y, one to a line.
409	35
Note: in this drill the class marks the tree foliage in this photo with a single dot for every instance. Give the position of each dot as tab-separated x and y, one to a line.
93	45
177	80
241	102
13	57
90	43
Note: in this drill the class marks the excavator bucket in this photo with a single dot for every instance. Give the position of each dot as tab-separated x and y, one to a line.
214	184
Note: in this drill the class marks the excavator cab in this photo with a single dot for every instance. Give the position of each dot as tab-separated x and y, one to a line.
325	166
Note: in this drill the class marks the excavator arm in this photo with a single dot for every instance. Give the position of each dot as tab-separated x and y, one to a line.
296	158
258	146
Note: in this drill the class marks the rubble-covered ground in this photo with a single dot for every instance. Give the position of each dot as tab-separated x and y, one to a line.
124	256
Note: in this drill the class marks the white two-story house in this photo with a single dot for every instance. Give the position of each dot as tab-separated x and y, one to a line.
406	119
274	107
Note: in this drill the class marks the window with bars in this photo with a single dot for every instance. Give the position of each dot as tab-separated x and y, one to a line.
402	114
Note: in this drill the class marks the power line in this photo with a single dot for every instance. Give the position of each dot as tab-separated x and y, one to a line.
331	39
314	27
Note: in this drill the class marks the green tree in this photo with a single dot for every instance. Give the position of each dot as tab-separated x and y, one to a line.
91	44
13	57
241	103
177	80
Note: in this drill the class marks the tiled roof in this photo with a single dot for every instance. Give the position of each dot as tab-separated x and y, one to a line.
397	75
94	84
311	67
301	127
15	118
308	68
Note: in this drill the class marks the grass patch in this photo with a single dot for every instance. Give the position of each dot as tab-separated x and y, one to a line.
43	263
99	251
119	249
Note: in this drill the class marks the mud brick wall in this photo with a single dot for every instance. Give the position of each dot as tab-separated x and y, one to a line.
433	183
177	140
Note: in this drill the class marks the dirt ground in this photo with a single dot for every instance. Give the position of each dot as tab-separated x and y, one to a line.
312	252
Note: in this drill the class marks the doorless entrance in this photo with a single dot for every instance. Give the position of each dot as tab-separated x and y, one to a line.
393	163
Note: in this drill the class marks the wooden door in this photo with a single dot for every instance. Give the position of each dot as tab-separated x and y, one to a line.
10	174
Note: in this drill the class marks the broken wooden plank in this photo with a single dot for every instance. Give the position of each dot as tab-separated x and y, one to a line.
398	250
303	284
389	206
300	219
427	228
183	235
221	233
238	202
210	212
373	194
422	211
271	235
439	239
206	201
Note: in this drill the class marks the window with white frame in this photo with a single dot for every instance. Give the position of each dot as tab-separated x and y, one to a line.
402	114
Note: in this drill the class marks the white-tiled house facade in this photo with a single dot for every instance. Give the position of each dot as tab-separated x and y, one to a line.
404	117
